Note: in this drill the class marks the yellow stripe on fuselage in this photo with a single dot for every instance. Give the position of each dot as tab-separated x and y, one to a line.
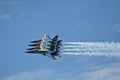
43	50
40	40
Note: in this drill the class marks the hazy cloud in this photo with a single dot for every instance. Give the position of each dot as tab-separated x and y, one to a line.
108	73
35	75
117	27
77	22
5	17
8	9
8	2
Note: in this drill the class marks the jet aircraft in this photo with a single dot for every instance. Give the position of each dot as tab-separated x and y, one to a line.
47	47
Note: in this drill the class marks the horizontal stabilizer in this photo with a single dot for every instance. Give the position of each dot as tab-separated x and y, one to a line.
57	47
57	51
60	41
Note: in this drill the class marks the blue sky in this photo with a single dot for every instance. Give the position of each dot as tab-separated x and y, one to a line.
73	20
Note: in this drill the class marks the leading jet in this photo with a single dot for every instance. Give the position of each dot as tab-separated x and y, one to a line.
47	47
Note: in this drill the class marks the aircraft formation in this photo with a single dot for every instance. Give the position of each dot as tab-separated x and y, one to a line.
46	46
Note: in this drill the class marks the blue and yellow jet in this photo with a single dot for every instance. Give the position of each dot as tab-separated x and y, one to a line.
46	46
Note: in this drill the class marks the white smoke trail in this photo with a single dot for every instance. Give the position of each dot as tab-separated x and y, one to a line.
92	48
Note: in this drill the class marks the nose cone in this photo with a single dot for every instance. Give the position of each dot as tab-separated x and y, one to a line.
34	45
34	41
29	51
